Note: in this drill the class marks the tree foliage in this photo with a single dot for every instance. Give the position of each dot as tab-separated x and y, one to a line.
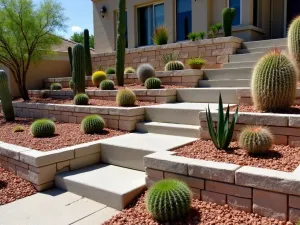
27	33
79	38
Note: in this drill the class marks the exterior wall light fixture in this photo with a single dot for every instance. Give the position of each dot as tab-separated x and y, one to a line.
103	11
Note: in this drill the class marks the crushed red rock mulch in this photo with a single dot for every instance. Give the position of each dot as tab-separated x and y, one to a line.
295	109
201	213
13	187
280	157
133	87
66	134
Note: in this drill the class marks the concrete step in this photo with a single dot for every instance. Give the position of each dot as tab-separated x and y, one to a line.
262	49
129	150
111	185
249	57
236	65
207	95
228	74
169	129
224	83
265	43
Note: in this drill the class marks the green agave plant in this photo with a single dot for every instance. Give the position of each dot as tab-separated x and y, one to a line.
221	137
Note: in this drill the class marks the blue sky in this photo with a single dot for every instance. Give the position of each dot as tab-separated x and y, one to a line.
80	14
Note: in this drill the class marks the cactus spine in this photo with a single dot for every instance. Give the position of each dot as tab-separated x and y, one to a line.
121	43
228	17
153	83
294	39
78	73
87	51
70	58
273	84
5	97
125	98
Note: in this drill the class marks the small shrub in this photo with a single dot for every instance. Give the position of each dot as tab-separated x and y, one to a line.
168	200
153	83
144	72
168	57
42	128
214	30
221	137
256	139
161	35
110	70
174	65
125	97
92	124
129	70
45	94
196	63
55	87
18	129
202	35
193	36
107	85
81	99
71	84
98	77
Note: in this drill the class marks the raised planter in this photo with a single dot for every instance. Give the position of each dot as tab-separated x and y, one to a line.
266	192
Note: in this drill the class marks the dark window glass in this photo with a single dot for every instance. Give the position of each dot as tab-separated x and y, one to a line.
159	15
237	5
255	13
183	19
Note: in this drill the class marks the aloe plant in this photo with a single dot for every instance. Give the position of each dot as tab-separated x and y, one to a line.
222	136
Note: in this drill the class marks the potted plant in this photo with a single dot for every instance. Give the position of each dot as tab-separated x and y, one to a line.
196	63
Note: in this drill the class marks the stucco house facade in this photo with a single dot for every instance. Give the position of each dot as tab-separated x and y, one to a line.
255	20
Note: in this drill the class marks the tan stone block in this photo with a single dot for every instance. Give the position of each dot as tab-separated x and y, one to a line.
294	201
176	79
18	163
151	180
114	124
72	119
154	173
224	51
210	60
270	204
285	131
196	193
294	141
43	187
3	158
62	165
208	196
84	161
223	59
243	204
294	215
191	79
193	54
127	125
191	181
229	189
146	98
23	173
41	175
210	47
280	140
166	99
207	53
9	166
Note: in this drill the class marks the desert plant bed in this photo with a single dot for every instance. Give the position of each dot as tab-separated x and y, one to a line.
13	187
133	86
66	134
295	109
201	213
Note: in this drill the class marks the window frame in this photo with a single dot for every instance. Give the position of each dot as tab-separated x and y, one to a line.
241	15
176	21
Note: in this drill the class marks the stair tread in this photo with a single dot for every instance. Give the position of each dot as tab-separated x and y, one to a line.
170	125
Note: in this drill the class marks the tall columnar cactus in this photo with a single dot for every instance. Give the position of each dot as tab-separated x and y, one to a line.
228	17
70	58
78	73
274	81
87	51
294	39
121	43
5	97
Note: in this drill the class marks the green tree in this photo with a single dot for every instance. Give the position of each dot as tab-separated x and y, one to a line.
79	38
27	33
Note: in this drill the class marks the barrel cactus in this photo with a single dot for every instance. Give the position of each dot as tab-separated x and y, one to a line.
174	65
71	84
81	99
107	85
256	139
153	83
5	97
87	51
274	81
129	70
55	87
98	77
92	124
42	128
78	73
125	97
168	200
294	39
110	70
228	17
144	72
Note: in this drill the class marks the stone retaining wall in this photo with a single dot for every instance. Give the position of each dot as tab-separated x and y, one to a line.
214	51
154	95
266	192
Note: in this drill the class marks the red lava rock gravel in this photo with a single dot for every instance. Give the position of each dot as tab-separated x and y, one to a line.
280	157
134	86
66	134
295	109
13	187
202	213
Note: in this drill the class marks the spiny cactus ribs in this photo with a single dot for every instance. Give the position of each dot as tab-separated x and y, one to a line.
174	65
92	124
42	128
153	83
78	73
6	98
125	97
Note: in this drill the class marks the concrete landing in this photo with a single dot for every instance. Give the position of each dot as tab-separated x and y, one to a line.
55	207
113	186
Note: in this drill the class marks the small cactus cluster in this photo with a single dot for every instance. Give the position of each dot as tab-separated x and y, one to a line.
153	83
98	77
125	98
92	124
174	65
274	81
81	99
55	87
228	17
42	128
107	85
294	39
144	72
18	129
129	70
168	200
110	70
78	65
256	139
5	97
71	84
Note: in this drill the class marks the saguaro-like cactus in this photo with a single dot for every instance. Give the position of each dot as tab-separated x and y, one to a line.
5	97
78	73
294	39
88	59
228	17
70	58
121	43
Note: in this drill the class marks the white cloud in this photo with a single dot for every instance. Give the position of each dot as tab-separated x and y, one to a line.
76	29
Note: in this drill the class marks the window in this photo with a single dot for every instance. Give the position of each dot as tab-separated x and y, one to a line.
149	17
116	28
183	19
237	5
